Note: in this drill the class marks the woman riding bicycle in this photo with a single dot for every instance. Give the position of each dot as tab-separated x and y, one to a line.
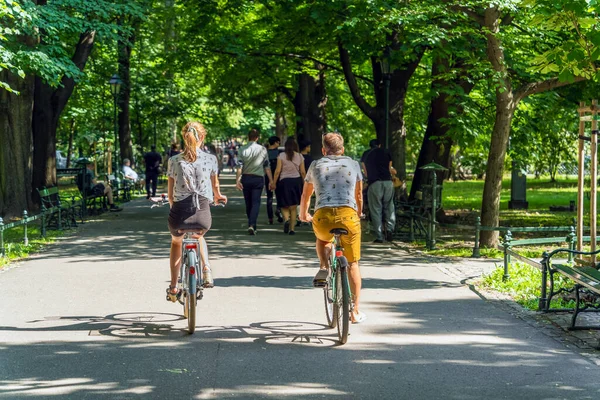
193	185
337	182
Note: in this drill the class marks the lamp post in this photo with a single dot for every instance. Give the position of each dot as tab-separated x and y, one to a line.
115	86
385	71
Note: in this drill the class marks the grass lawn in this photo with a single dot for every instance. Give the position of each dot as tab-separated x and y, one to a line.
464	198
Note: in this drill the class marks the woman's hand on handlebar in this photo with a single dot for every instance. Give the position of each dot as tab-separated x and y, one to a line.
220	199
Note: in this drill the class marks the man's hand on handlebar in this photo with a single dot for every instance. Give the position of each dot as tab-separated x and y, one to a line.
305	217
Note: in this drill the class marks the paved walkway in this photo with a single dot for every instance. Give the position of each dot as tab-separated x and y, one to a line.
88	319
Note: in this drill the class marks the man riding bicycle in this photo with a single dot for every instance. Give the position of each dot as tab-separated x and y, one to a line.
193	185
337	182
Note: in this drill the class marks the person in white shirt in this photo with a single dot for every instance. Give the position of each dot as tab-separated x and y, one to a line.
337	182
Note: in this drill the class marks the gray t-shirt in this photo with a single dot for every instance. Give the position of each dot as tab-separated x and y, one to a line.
334	179
193	178
253	159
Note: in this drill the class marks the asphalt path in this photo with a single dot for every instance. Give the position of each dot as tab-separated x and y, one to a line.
87	318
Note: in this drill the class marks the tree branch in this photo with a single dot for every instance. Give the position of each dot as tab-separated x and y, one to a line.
292	56
542	86
360	101
82	53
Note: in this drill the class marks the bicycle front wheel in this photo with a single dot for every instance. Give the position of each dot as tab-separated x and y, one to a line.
190	295
328	296
342	300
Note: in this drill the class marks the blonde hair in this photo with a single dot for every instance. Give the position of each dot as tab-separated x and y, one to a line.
193	134
333	143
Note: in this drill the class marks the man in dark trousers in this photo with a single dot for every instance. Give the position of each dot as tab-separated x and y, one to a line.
272	151
152	160
253	164
377	165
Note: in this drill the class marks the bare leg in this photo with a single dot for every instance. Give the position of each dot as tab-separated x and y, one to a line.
355	284
175	259
293	213
323	250
286	213
108	193
203	253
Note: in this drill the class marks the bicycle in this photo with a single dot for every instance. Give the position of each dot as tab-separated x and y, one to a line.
336	291
189	288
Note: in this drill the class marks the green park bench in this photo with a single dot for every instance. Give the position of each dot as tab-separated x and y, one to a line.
586	278
57	212
90	203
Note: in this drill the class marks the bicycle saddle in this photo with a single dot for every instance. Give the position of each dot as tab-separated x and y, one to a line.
196	231
338	231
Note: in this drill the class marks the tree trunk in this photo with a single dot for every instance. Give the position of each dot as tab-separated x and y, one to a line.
505	108
123	100
71	137
399	79
47	107
16	148
309	105
280	121
437	144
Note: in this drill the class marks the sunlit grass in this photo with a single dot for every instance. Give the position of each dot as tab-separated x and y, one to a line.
524	285
14	246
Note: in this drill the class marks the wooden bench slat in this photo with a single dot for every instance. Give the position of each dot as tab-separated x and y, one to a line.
576	275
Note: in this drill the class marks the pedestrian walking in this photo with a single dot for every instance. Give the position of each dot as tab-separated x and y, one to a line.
377	164
288	178
253	164
153	170
272	151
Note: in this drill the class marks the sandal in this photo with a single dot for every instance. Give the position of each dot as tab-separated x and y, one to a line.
173	297
358	317
320	278
207	279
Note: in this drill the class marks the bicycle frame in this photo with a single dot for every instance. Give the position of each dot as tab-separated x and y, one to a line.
337	251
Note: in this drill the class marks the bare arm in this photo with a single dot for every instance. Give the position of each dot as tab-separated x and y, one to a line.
358	194
392	169
170	192
302	170
277	173
218	197
364	168
238	179
305	202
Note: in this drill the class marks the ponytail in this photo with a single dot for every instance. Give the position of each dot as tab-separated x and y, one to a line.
193	136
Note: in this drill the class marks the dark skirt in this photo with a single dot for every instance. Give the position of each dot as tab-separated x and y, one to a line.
289	192
185	215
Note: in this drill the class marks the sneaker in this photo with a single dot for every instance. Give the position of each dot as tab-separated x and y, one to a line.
115	208
320	278
251	231
270	221
389	236
279	217
292	233
286	227
378	241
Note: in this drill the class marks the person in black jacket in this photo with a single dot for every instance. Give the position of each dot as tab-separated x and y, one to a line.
152	160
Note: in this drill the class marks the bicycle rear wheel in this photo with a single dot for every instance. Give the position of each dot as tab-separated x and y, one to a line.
342	300
190	295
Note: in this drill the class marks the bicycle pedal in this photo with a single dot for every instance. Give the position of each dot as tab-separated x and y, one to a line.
319	284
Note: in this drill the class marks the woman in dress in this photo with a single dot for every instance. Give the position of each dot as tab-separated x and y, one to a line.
288	179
